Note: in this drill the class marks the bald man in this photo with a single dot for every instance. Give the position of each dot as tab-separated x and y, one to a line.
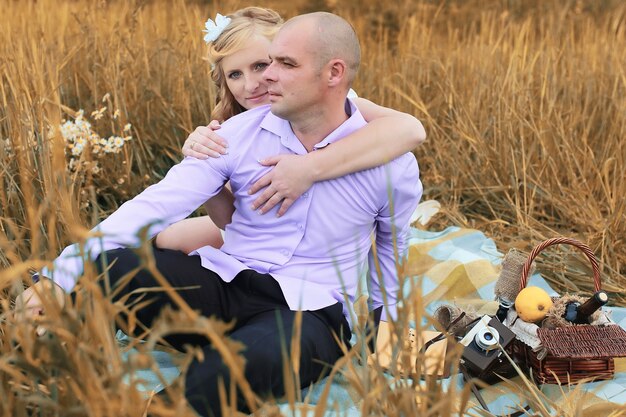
315	59
272	273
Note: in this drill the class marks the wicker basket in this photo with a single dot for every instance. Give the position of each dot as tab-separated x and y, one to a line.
577	352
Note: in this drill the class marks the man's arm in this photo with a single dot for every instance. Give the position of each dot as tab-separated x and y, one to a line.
185	187
392	227
387	135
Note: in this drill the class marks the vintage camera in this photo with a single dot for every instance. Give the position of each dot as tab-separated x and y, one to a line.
482	356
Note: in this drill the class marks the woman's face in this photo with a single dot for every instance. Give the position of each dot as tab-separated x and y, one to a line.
243	71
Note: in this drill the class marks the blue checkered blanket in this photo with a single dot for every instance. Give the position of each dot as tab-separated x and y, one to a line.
455	266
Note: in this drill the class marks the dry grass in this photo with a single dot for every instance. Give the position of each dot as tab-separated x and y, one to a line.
523	102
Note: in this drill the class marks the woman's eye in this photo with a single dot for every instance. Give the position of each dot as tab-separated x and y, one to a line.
261	66
234	75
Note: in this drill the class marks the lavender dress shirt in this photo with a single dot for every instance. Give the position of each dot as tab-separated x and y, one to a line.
317	251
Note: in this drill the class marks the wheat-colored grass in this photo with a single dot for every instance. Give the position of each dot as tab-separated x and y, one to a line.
523	101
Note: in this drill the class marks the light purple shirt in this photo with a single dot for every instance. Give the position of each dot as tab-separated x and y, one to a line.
317	251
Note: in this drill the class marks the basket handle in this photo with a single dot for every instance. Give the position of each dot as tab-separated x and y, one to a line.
595	266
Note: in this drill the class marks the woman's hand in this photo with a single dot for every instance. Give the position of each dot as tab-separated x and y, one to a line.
286	182
204	142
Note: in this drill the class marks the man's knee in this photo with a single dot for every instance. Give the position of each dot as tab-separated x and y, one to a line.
116	264
123	271
117	261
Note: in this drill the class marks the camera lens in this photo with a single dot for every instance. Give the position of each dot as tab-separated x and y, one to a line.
487	338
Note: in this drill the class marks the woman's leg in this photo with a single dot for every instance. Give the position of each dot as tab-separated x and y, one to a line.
190	234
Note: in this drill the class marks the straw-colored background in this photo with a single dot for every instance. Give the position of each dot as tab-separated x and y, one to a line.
523	102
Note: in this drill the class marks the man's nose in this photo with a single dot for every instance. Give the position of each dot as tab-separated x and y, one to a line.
269	74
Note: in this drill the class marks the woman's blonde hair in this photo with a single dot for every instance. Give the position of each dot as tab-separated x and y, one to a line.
245	24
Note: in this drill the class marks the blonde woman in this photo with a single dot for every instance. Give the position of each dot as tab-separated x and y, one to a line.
238	53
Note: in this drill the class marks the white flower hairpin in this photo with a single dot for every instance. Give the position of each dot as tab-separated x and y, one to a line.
215	28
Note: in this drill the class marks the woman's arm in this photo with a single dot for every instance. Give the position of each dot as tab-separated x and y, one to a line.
388	134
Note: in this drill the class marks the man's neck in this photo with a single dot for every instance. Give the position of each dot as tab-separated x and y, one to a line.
313	128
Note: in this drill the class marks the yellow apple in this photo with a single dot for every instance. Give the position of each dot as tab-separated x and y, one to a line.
532	304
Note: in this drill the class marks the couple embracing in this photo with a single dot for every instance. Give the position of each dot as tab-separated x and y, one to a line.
315	177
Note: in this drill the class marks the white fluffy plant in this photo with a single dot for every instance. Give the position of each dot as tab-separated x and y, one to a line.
92	158
79	136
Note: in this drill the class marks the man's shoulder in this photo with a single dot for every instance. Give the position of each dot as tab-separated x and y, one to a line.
400	165
400	172
405	167
405	164
407	159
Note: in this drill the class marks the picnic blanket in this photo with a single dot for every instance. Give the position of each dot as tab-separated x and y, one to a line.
454	266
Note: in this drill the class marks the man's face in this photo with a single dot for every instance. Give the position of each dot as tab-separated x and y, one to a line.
294	79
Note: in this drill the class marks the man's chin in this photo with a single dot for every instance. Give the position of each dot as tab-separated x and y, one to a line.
276	110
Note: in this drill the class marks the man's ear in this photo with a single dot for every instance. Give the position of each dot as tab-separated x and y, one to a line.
337	72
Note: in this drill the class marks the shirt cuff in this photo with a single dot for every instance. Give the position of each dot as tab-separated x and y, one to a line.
65	270
389	313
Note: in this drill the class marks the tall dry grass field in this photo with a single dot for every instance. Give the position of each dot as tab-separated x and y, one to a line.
524	103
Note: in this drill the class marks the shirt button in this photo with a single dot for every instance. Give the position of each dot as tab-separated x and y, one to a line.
285	252
300	226
305	195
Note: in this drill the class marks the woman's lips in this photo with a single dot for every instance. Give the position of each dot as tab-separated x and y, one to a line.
256	99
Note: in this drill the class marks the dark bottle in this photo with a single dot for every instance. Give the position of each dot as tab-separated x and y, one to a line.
503	309
580	313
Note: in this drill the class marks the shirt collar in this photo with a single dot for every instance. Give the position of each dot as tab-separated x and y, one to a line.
282	128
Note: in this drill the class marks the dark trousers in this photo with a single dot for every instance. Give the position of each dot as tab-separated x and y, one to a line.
264	324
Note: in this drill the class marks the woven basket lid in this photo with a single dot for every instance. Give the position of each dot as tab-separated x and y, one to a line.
584	341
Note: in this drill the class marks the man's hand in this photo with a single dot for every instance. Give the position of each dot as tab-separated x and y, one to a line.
204	142
286	182
29	305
